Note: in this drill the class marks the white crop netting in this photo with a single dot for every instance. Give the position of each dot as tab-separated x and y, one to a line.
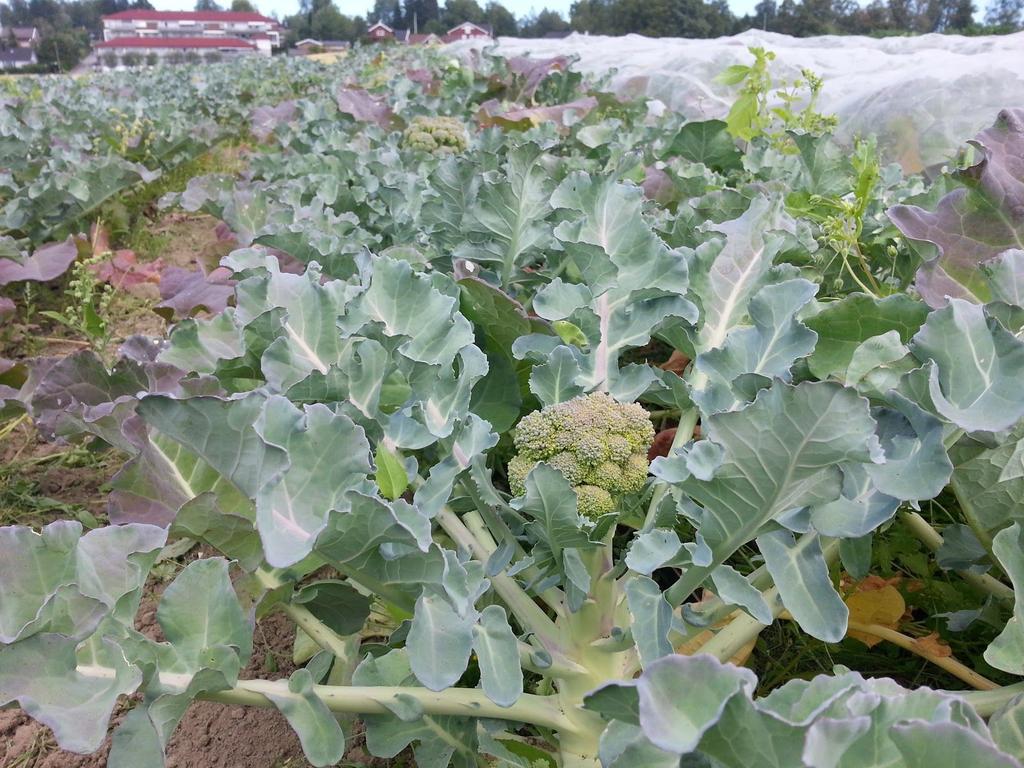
922	96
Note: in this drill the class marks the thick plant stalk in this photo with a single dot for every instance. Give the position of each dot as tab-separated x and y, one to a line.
987	703
932	539
319	632
372	700
744	628
518	601
552	597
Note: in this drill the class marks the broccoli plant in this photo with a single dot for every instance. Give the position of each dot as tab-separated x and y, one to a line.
439	135
598	445
437	469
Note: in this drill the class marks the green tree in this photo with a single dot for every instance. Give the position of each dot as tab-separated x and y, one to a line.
542	23
502	20
593	16
961	16
388	11
61	50
243	6
208	5
457	11
330	24
417	14
1005	15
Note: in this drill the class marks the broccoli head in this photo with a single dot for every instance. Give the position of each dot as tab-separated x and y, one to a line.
599	445
439	135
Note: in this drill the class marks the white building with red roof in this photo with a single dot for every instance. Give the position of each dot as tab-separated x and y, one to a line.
249	27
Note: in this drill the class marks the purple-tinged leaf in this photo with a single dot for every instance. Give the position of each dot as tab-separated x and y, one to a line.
186	292
527	117
46	263
266	119
975	223
77	394
534	71
363	107
6	307
124	271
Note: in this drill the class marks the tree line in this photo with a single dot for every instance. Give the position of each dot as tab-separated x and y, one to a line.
322	20
67	26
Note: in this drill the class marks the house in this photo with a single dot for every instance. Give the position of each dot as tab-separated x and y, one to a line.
20	37
191	24
16	58
149	50
312	45
428	39
380	31
467	30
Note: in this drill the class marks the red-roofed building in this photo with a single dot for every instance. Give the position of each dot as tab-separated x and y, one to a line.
191	24
428	39
467	30
380	31
130	51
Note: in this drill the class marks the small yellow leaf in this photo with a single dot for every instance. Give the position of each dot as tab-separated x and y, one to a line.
884	606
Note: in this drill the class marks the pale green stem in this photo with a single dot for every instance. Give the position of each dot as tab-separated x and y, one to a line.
932	539
319	632
560	666
373	700
684	431
741	630
744	628
987	703
554	598
522	606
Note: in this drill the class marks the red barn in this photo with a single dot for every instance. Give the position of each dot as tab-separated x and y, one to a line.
380	31
467	30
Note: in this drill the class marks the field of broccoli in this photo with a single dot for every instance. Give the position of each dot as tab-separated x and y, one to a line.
412	410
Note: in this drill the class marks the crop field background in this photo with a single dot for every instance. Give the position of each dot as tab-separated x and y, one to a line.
270	327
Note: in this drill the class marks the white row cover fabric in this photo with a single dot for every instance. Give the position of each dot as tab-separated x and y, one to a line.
922	96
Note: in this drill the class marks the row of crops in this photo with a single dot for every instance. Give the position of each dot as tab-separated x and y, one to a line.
827	355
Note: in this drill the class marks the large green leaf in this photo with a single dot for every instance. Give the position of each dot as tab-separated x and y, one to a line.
977	367
801	573
66	582
440	642
322	739
1006	652
506	224
327	455
497	652
40	674
845	324
676	723
780	453
769	348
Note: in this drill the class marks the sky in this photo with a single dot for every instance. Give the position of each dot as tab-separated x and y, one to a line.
359	7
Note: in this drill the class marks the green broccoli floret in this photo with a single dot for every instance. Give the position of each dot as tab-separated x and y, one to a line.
440	135
599	445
